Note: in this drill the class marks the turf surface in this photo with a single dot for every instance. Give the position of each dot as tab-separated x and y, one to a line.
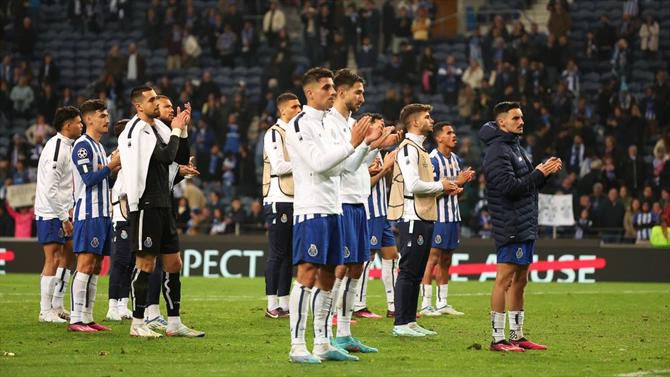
602	329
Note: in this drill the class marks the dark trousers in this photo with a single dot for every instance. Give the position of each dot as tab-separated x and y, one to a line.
278	265
122	262
415	241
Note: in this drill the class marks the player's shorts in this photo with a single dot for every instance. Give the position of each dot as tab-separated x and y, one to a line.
318	239
381	234
93	236
516	253
446	236
356	238
153	231
121	238
50	231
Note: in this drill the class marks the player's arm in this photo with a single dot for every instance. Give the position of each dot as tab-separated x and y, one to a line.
55	175
408	161
319	158
354	161
500	172
275	152
167	153
81	157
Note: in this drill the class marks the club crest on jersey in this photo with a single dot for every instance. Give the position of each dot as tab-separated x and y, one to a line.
284	218
312	251
419	240
519	253
438	239
147	242
95	242
124	234
373	240
82	153
347	253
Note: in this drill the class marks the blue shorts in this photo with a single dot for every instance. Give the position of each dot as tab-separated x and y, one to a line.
446	236
93	236
50	231
318	239
380	229
356	239
516	253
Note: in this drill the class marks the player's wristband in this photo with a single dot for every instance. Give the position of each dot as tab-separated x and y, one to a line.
184	132
176	132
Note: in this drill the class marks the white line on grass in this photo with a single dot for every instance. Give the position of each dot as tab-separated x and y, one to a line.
647	373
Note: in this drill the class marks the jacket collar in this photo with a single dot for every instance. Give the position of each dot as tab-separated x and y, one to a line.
314	113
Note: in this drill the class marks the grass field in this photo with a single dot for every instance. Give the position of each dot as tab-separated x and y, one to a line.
602	329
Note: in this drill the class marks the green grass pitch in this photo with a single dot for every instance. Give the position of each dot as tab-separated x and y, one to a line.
602	329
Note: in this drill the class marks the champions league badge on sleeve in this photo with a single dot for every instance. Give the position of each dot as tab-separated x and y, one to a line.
82	153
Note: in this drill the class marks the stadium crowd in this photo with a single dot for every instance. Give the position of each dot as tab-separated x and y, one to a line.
615	141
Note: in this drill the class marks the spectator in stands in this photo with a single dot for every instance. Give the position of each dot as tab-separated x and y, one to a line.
20	175
649	34
644	220
466	102
229	176
583	224
388	23
559	21
248	43
630	8
213	164
26	38
153	28
338	55
624	196
115	64
648	194
23	220
498	29
474	47
205	89
274	20
571	77
7	69
236	213
473	75
136	65
22	97
612	213
191	48
227	46
218	222
174	48
621	60
183	214
194	196
49	72
590	47
628	29
576	155
485	225
367	59
632	210
427	69
39	129
390	106
255	221
403	28
661	89
233	17
632	170
421	29
6	224
47	102
370	22
605	37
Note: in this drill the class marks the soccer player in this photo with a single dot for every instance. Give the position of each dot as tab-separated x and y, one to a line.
278	202
512	186
412	201
317	151
92	234
148	148
122	259
446	233
382	240
53	202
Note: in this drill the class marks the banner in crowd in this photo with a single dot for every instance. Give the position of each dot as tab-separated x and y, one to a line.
21	195
566	261
555	210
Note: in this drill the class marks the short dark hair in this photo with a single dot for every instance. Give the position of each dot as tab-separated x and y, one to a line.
137	91
92	105
315	74
119	126
412	109
505	106
374	116
346	78
162	96
437	127
285	97
63	114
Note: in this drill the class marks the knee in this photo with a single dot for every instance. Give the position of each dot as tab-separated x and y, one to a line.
355	271
173	265
445	259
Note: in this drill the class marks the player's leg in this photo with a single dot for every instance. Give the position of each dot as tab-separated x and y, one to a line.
66	262
286	265
361	309
118	273
344	338
515	302
91	294
389	256
272	263
152	314
442	279
99	246
504	275
427	307
79	289
48	282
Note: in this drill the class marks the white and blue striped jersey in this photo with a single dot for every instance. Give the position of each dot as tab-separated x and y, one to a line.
446	167
91	180
644	221
378	200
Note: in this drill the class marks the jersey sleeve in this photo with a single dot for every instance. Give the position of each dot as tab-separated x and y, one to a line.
82	158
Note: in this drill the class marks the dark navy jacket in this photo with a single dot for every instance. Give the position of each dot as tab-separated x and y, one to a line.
512	185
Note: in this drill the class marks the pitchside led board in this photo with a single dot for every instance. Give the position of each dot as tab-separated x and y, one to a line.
565	261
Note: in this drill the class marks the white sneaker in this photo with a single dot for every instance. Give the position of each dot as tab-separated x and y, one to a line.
62	313
299	354
50	316
143	331
415	326
429	311
156	324
448	310
405	330
113	314
184	331
122	308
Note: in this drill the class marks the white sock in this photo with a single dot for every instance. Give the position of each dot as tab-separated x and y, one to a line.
283	302
516	324
344	314
322	303
442	291
361	289
87	310
122	304
137	321
152	311
272	302
62	281
388	278
46	292
427	295
112	305
78	293
336	294
498	325
299	310
173	323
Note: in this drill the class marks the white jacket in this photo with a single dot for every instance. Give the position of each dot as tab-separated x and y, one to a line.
278	165
54	196
317	150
